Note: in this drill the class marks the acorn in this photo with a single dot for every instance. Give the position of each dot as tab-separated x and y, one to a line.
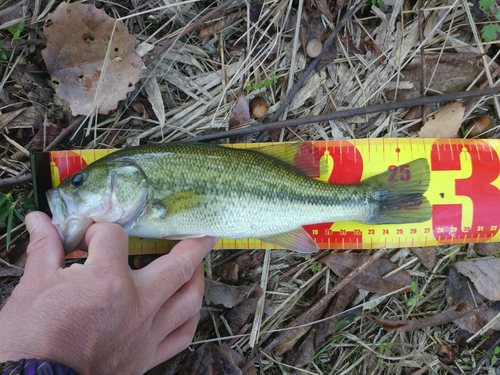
477	126
446	354
313	48
258	107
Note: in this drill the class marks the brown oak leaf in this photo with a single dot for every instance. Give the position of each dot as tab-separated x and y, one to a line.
79	38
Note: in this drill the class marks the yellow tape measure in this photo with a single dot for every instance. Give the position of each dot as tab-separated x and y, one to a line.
464	192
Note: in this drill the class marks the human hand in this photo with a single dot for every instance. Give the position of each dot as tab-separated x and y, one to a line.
102	317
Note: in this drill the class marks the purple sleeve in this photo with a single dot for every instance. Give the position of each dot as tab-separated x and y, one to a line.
34	366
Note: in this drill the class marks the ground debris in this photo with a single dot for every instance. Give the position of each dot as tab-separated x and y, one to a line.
459	290
371	278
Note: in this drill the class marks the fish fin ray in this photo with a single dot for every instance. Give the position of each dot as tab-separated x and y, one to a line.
297	239
400	194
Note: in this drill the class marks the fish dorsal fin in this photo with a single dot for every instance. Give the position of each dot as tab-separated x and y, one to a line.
303	156
297	239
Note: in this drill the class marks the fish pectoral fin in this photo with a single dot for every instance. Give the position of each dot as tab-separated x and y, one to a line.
297	239
179	202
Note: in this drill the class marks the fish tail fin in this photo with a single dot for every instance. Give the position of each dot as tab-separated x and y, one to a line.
399	192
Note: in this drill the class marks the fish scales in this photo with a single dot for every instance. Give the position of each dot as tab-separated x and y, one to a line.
181	190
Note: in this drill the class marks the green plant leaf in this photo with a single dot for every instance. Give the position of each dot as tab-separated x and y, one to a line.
4	198
497	350
4	211
411	301
485	5
249	88
494	360
19	216
29	203
20	27
413	287
267	82
489	32
497	15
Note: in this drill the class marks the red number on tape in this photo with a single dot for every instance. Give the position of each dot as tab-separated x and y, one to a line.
447	218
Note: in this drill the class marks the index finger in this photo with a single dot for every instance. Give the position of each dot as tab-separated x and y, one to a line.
107	243
164	276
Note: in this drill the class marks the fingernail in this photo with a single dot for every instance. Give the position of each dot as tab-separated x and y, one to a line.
31	222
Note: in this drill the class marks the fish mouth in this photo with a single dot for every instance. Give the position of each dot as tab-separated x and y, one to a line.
71	228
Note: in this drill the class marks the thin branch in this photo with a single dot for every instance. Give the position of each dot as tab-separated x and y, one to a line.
19	179
346	113
64	133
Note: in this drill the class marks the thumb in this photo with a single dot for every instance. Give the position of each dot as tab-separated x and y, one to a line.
45	250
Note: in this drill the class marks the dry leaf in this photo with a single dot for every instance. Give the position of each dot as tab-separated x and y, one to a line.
11	271
229	272
243	311
487	248
371	278
446	73
484	273
343	298
222	294
297	333
445	123
460	290
426	255
78	36
240	115
209	359
447	316
304	352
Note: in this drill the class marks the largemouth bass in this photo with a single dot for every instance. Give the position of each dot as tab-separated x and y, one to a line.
184	190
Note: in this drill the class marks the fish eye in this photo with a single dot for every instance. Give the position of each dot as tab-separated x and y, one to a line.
77	179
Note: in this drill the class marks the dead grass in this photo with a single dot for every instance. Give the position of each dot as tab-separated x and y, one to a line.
198	80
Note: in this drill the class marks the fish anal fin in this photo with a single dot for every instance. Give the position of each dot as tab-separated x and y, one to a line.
178	202
302	155
298	240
